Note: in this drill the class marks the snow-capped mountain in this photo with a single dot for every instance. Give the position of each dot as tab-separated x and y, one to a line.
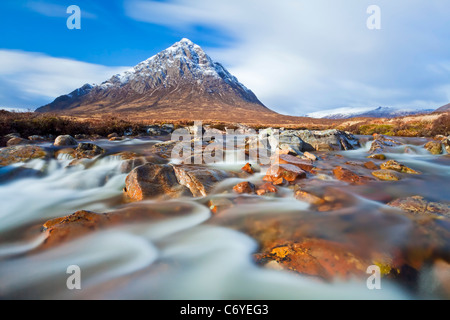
380	112
180	79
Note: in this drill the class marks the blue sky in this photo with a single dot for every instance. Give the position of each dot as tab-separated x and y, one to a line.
298	56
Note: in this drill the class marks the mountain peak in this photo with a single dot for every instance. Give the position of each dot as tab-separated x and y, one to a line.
180	76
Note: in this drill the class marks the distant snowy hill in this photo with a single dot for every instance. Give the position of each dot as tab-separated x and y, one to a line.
380	112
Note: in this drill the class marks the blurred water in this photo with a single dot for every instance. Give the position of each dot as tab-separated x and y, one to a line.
187	256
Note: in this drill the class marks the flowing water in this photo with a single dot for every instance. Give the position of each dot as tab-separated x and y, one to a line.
193	255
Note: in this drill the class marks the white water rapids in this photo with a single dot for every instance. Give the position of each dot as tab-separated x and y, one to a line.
181	257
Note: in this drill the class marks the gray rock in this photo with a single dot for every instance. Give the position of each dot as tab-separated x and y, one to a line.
66	140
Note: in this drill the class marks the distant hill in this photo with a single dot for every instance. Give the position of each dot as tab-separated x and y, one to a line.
445	108
380	112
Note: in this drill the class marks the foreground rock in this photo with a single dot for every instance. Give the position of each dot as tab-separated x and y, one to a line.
386	175
25	153
82	223
419	205
154	180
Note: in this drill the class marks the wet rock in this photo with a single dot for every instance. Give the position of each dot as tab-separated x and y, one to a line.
420	205
82	223
66	140
131	162
12	135
434	147
371	166
309	156
164	149
349	176
244	187
309	197
199	180
24	153
248	168
305	165
113	135
17	142
36	138
153	181
81	136
446	144
290	143
316	257
288	172
386	175
378	156
88	150
382	144
396	166
266	188
327	140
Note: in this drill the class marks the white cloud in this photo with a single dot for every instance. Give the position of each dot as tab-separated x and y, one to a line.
55	10
29	80
303	56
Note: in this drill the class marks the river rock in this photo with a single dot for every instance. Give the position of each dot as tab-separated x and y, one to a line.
327	140
248	168
20	153
288	172
88	150
377	156
244	187
382	144
17	142
200	180
303	164
316	257
349	176
66	140
386	175
396	166
434	147
36	138
266	188
420	205
154	181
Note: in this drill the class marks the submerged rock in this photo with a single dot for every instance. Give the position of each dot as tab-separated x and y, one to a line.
386	175
420	205
24	153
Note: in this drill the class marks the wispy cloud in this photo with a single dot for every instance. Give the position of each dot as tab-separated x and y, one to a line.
29	80
301	56
54	10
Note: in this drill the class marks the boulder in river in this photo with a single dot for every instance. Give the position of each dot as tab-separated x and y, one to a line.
420	205
244	187
88	150
434	147
382	144
65	141
19	153
17	142
152	181
349	176
386	175
396	166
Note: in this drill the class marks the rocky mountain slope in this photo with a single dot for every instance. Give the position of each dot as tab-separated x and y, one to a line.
179	82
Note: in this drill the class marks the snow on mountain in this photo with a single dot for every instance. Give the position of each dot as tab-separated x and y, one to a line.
183	75
380	112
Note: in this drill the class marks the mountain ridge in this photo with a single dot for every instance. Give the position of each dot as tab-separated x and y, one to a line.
181	79
366	112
